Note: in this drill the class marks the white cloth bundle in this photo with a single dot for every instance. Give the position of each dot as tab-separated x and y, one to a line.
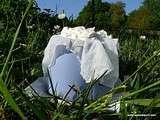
75	58
96	52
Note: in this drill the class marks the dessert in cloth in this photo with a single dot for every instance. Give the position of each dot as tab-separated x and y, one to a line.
75	57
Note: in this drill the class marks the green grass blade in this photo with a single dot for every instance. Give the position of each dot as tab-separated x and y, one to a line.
145	63
144	102
3	88
39	113
143	89
9	99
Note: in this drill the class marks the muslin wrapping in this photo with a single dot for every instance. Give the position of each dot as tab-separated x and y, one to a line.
76	57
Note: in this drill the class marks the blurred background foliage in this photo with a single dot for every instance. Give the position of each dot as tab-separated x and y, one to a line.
34	35
38	27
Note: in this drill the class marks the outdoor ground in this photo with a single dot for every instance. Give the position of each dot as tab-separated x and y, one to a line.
25	32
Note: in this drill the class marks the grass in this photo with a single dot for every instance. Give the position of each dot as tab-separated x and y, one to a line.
139	59
43	108
3	88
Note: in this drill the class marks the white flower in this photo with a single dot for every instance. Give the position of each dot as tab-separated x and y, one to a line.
142	37
61	15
